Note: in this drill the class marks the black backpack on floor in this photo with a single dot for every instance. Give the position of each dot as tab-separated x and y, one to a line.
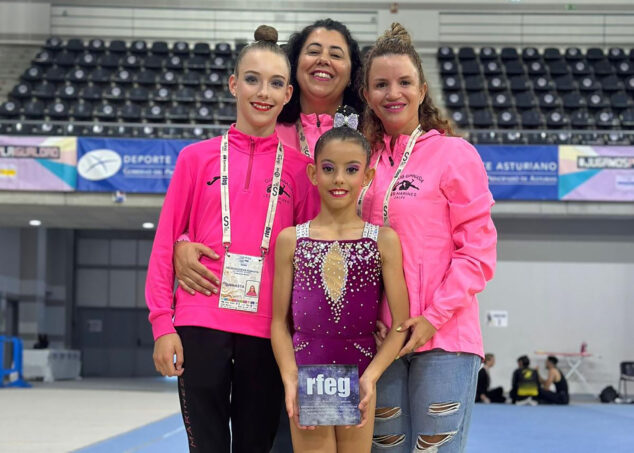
608	394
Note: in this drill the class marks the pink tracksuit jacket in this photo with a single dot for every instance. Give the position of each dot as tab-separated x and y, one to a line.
441	209
314	125
192	205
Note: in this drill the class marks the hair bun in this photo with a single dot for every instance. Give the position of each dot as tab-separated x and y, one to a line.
397	31
266	33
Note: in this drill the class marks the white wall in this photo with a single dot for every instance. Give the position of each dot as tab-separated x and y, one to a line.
563	282
25	20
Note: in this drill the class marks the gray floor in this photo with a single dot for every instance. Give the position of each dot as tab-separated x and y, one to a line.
67	415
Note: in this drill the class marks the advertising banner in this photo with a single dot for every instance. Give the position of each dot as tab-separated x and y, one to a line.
521	172
596	173
127	165
38	163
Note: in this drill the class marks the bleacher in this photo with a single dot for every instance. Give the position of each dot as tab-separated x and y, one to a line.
549	97
122	89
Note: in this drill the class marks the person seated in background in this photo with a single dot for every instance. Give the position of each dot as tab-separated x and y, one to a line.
483	394
525	383
555	377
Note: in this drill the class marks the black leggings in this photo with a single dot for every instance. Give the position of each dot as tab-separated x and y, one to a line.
227	377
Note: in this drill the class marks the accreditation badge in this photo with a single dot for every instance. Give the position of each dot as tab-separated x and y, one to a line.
241	277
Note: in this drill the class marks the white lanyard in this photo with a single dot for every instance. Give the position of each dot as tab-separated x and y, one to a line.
386	201
303	143
224	191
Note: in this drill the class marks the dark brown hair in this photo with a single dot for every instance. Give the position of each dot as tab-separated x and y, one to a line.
290	112
265	39
397	41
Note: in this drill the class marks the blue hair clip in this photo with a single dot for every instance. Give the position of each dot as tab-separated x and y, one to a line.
351	121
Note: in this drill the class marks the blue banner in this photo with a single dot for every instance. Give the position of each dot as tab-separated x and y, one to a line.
519	172
127	165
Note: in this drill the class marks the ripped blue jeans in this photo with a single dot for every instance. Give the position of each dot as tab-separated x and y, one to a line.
424	403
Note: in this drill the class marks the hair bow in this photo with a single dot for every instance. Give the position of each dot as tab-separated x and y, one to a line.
351	121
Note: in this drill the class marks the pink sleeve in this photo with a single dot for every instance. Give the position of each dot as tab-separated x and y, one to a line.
465	185
159	284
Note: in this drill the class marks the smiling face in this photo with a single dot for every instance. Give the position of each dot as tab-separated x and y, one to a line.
323	70
394	93
339	173
261	88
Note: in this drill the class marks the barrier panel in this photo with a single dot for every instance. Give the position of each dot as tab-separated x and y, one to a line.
6	374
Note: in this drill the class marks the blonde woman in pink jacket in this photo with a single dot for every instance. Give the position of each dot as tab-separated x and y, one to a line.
440	205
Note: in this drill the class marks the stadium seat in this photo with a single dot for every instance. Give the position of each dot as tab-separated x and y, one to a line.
34	110
589	83
520	83
185	95
611	83
482	119
580	68
191	78
474	83
497	83
616	54
207	95
507	119
168	78
597	100
558	67
581	119
204	114
131	61
573	54
75	45
620	100
130	113
478	100
174	63
139	94
139	47
159	48
468	67
77	76
109	60
573	101
65	58
196	63
33	74
448	67
565	83
44	90
594	53
488	53
114	94
10	109
91	93
223	48
122	76
43	58
96	45
445	53
68	92
154	62
460	118
100	76
154	113
82	111
501	101
58	111
514	68
491	68
530	54
627	118
177	114
466	53
161	94
543	83
524	100
202	49
145	77
87	60
180	48
21	91
451	83
54	43
551	53
509	53
117	46
454	100
557	119
532	119
606	119
603	68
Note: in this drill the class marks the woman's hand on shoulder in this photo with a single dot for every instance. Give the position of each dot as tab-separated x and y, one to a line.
191	274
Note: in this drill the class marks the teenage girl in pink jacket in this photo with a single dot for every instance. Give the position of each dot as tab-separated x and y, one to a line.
235	193
440	205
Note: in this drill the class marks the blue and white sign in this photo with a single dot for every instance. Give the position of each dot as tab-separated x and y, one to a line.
127	165
521	172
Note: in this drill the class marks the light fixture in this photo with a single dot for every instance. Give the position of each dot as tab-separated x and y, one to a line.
148	225
35	222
